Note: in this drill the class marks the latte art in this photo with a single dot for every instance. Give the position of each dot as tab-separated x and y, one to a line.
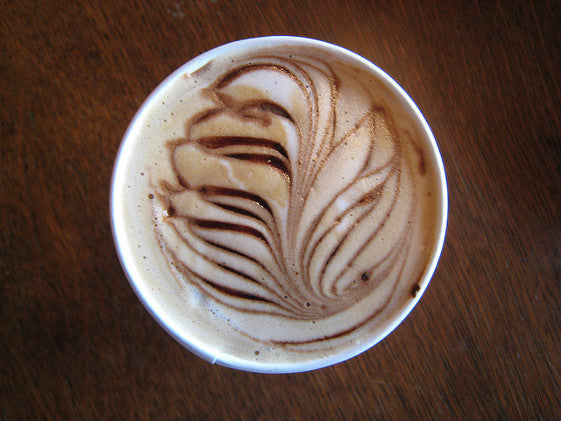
293	200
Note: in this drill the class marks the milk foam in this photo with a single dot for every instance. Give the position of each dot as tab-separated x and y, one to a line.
280	205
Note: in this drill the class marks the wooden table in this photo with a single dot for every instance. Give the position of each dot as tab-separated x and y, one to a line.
485	340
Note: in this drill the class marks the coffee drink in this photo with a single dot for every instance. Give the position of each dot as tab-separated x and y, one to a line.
282	204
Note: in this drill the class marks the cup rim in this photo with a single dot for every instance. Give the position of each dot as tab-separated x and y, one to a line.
118	228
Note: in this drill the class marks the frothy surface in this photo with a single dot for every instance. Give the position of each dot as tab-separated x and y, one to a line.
281	204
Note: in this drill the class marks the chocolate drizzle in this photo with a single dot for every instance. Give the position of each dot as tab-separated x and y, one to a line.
287	202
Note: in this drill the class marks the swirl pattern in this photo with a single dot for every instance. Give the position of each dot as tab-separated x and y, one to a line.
292	196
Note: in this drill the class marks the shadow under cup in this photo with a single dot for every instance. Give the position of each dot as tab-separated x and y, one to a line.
279	204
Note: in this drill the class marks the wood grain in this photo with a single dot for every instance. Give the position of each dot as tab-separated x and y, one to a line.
485	340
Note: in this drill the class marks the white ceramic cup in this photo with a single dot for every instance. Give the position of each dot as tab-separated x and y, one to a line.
136	276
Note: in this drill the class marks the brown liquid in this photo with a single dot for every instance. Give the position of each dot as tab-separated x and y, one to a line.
296	201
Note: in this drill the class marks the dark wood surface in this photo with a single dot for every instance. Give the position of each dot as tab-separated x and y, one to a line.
485	340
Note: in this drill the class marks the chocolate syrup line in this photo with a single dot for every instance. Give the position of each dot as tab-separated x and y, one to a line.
396	157
325	138
387	261
310	251
283	296
351	131
263	159
226	191
237	228
239	273
226	80
310	149
292	211
276	109
315	222
211	288
238	210
333	336
273	230
226	226
272	308
283	308
346	235
402	242
233	292
206	224
240	229
315	148
217	142
288	306
329	337
390	261
178	261
168	259
362	323
307	86
248	207
202	117
314	225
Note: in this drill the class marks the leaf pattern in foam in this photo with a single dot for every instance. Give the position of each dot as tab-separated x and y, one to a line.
280	210
341	167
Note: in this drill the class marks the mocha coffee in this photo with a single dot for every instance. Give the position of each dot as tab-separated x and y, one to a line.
282	204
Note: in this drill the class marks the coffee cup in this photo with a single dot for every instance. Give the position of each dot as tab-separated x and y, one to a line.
279	204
